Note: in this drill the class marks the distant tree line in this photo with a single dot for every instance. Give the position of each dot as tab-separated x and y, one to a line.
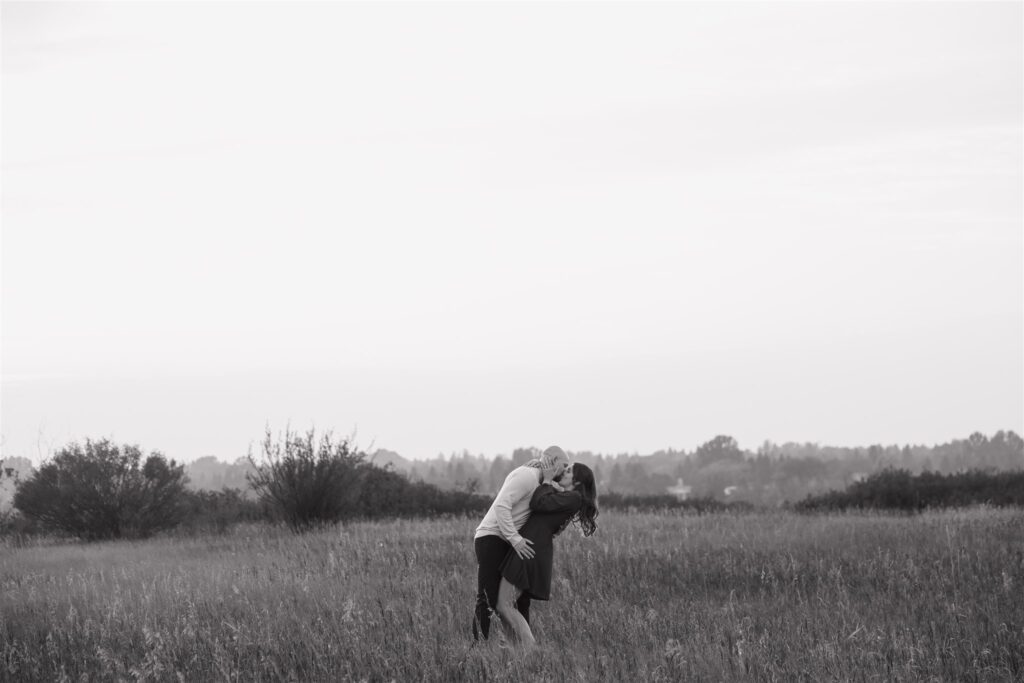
104	490
771	475
895	489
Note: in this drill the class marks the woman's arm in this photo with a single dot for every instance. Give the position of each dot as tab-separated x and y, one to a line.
547	499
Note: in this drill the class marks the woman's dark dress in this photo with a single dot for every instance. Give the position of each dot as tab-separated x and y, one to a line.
551	509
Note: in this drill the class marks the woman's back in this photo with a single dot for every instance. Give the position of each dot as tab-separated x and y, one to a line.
551	510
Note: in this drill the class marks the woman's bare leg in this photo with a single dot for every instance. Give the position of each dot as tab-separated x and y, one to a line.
507	596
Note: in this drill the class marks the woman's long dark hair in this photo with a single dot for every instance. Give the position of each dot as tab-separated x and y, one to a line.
583	478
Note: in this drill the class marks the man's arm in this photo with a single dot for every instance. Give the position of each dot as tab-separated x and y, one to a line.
518	485
548	499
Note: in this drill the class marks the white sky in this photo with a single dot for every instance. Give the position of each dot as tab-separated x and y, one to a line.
615	227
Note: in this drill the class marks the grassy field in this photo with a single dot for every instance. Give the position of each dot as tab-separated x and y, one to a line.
759	597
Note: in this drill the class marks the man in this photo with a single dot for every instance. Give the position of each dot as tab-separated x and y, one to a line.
499	532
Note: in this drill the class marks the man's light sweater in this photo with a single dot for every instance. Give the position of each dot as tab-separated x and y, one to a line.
511	507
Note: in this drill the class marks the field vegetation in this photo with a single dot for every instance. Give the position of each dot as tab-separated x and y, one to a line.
759	596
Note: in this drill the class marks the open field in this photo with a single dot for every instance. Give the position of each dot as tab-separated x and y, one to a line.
759	597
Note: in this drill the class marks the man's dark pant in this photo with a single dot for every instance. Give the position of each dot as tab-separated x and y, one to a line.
490	552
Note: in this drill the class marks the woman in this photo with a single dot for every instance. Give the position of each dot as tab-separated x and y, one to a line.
552	512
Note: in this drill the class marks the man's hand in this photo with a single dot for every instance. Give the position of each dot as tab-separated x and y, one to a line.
523	549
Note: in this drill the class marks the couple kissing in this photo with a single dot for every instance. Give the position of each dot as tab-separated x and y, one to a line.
514	543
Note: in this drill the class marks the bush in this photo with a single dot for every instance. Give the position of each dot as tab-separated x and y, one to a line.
899	490
104	491
308	483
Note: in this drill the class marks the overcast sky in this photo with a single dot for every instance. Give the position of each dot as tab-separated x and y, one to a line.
614	227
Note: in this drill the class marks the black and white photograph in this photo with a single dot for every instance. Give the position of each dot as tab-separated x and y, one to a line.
512	340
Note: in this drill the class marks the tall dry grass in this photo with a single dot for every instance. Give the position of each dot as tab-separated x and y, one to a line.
761	597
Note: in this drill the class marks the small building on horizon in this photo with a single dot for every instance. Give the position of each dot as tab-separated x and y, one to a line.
681	491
